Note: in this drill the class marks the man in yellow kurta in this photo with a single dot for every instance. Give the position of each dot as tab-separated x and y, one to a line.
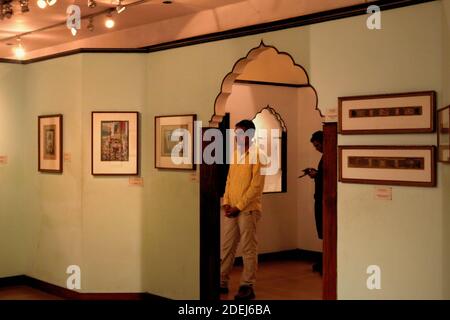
242	205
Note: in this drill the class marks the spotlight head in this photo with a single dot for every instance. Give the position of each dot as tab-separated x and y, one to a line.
24	6
42	4
7	9
51	2
92	4
74	31
90	25
109	22
120	8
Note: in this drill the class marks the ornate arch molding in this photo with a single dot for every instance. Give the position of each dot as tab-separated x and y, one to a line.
275	114
239	68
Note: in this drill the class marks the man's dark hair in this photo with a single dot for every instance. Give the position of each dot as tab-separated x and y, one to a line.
246	124
317	136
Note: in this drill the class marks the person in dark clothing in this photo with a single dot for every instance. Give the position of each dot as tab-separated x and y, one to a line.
317	175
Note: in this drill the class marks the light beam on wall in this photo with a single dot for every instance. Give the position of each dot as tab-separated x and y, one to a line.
19	50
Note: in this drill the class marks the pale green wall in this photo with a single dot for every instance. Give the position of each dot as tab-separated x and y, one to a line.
53	205
113	211
402	236
128	239
12	253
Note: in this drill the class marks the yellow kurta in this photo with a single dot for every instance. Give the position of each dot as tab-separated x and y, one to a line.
245	183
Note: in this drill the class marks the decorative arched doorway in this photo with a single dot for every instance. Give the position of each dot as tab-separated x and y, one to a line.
261	66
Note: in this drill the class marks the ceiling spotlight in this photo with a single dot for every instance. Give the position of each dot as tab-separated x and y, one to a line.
109	22
7	9
42	4
120	8
90	25
74	31
92	4
51	2
24	6
19	50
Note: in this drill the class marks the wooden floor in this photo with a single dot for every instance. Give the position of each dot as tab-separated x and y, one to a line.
276	280
25	293
281	280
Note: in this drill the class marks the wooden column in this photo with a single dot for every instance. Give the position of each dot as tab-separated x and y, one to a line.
330	212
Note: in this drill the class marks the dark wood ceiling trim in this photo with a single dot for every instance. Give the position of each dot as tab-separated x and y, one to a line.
3	60
85	50
305	20
275	84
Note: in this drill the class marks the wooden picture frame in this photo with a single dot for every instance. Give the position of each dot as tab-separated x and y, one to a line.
165	146
388	113
388	165
115	143
50	143
444	135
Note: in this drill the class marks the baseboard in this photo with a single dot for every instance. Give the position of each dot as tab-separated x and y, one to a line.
294	254
23	280
13	281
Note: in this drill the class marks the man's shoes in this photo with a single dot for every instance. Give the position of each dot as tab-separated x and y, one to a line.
223	290
245	293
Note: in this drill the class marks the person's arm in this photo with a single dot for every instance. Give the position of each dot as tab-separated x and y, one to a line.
312	173
226	195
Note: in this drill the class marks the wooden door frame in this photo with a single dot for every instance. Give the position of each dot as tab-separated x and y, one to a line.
329	289
210	176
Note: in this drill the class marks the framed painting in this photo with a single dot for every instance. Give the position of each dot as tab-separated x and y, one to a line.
174	142
444	135
115	143
389	113
388	165
50	143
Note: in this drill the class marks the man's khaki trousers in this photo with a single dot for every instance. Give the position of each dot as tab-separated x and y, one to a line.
240	229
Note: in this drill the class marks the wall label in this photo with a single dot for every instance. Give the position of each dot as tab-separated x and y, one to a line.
3	160
384	193
67	157
136	181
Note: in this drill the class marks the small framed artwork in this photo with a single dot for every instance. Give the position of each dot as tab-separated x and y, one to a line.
50	143
444	135
389	113
174	142
388	165
115	145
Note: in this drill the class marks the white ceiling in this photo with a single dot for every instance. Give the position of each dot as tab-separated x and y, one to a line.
148	22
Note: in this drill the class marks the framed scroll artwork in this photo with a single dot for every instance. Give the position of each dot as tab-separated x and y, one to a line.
388	165
50	143
115	145
389	113
174	142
